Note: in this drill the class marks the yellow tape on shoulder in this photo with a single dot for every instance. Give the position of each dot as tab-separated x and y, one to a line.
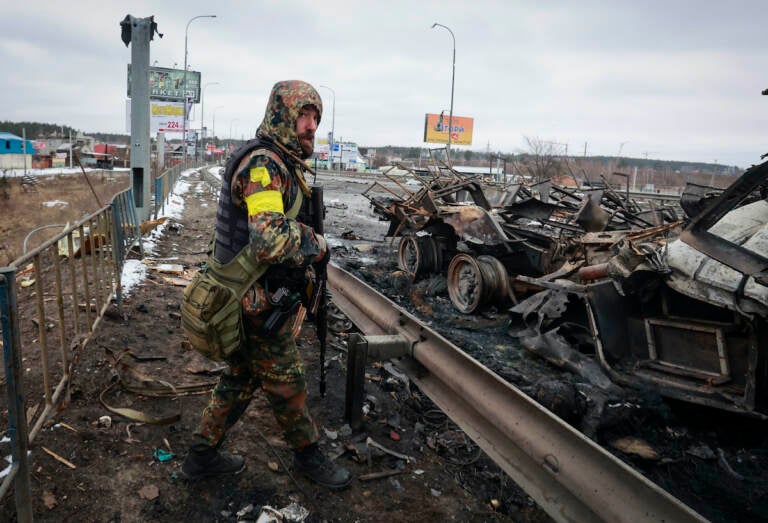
261	175
271	201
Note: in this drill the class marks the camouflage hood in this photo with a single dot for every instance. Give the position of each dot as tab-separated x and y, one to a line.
285	101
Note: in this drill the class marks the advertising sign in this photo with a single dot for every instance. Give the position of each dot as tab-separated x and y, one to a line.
164	117
436	129
168	84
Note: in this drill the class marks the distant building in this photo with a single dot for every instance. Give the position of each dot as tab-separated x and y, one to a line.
15	152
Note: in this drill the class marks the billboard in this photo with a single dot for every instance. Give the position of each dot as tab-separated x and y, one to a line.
436	129
164	117
168	84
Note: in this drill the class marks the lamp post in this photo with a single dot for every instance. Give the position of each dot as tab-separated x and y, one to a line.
453	76
202	115
333	123
186	31
213	133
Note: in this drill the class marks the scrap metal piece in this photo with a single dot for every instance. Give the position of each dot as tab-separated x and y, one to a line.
698	236
592	217
371	443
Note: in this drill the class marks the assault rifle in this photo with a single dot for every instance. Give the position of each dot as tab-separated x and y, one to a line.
319	304
318	307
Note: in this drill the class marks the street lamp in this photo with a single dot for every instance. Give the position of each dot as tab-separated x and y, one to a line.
213	133
333	123
202	116
453	76
186	31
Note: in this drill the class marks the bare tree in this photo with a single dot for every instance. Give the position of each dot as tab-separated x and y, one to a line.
542	160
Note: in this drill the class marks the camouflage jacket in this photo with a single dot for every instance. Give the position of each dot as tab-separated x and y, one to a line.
265	187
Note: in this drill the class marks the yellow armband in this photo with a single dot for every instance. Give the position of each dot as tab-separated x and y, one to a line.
270	201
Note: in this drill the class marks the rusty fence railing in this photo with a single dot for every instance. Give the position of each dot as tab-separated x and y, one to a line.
51	302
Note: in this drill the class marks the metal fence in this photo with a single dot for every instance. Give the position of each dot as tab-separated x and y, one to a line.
51	301
165	182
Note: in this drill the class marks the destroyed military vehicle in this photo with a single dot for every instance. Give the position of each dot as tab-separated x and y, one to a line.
600	283
484	234
685	317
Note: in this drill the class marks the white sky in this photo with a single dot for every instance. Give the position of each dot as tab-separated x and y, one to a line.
676	80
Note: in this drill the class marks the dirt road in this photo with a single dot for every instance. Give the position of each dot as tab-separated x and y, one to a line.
116	469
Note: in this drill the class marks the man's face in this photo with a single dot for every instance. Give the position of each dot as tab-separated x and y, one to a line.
306	125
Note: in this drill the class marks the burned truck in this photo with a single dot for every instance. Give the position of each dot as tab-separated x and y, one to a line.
672	298
483	234
685	316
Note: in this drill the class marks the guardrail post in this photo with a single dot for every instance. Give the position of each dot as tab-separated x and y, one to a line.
17	421
357	351
360	349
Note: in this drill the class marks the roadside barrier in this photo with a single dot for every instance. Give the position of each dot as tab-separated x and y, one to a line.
164	185
51	302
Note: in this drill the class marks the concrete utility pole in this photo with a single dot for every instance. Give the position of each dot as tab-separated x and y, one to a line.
202	120
138	32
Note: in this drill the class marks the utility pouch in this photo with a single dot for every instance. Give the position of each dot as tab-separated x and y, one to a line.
211	316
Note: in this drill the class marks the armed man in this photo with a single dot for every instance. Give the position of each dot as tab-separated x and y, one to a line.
263	219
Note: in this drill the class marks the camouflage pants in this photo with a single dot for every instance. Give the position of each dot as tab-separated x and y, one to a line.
274	365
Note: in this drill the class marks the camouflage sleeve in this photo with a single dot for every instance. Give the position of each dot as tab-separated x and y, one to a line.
259	187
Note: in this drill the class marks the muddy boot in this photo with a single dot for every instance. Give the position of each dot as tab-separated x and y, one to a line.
210	461
317	467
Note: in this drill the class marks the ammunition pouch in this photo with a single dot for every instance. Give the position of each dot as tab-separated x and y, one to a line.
211	316
211	309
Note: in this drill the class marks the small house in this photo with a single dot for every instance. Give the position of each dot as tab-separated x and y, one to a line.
15	152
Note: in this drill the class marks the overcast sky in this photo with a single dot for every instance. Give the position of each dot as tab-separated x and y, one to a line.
675	80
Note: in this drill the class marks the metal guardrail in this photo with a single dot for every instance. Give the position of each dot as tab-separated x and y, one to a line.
569	476
51	302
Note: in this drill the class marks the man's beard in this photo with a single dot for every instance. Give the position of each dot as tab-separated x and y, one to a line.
307	149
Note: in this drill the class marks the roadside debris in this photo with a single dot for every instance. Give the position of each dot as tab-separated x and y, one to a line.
293	513
616	289
659	313
371	444
483	233
149	492
636	447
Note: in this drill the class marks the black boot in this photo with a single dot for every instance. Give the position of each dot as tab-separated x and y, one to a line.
210	461
317	467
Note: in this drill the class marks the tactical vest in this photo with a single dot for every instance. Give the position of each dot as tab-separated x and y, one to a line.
230	260
231	221
211	312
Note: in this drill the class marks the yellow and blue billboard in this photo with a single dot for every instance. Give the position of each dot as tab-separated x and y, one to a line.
436	129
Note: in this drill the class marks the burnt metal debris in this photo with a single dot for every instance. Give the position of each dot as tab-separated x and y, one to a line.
621	290
483	233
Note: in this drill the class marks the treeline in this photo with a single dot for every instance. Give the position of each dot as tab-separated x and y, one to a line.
111	138
36	130
477	158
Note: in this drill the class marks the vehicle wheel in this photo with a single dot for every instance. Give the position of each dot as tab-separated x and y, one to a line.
474	282
419	255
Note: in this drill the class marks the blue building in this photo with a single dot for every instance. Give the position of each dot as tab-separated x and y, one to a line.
12	152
